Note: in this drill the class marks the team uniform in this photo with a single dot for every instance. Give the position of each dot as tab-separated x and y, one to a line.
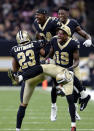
27	57
64	53
48	30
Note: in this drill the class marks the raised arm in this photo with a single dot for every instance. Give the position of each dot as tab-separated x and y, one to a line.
82	33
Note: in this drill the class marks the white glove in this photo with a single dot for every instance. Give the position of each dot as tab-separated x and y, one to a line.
50	61
87	43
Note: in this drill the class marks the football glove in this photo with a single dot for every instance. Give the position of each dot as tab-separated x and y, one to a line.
49	61
87	43
11	76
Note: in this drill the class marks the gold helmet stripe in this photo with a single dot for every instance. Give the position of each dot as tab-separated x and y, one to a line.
20	35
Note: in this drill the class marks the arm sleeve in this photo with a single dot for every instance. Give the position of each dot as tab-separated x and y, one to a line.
75	23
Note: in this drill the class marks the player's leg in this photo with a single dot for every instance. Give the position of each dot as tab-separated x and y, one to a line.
21	110
30	73
68	88
53	100
56	91
71	111
26	93
76	93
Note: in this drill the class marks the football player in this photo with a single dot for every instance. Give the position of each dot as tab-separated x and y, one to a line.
44	25
66	53
26	56
63	15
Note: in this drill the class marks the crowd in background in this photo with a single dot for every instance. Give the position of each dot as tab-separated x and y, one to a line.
19	14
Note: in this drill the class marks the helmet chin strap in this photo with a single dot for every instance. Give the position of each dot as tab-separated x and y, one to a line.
23	43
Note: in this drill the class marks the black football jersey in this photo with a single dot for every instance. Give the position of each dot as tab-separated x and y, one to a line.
72	24
27	55
48	30
63	54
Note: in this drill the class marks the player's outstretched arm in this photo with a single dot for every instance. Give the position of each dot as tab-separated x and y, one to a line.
82	33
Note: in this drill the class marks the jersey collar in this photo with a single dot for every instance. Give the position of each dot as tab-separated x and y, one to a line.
43	27
67	22
63	46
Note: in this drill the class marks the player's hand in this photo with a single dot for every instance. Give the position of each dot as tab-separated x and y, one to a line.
11	76
50	61
87	43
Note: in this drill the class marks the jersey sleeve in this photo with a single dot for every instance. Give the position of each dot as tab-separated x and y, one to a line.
75	23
